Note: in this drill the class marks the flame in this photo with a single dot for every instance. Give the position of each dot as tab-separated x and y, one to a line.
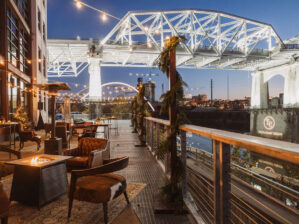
34	160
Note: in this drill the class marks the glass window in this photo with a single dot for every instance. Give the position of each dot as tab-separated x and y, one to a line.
44	31
45	66
17	43
39	59
23	6
39	23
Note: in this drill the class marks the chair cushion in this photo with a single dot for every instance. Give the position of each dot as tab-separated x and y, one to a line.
100	188
78	162
5	169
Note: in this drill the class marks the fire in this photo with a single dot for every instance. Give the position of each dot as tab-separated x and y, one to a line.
34	160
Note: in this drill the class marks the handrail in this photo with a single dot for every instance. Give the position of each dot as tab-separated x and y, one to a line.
281	150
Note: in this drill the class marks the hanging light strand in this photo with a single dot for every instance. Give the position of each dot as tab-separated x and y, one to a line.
104	14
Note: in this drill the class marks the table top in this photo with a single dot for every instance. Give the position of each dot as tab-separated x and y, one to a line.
43	160
7	124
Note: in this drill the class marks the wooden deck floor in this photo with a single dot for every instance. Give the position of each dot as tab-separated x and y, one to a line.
142	168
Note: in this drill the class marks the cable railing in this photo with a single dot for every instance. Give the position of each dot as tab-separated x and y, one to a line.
233	178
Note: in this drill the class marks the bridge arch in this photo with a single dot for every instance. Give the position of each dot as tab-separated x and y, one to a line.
124	84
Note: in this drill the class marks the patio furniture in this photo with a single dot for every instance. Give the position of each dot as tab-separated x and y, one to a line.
5	170
48	128
61	132
99	185
89	153
39	180
28	135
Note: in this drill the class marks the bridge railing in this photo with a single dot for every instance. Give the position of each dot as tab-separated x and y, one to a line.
230	177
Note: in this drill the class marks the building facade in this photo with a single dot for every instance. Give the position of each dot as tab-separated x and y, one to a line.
23	41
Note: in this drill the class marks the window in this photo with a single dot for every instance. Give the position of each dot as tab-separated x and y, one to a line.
17	43
39	22
12	94
12	37
39	60
23	6
44	32
45	66
24	50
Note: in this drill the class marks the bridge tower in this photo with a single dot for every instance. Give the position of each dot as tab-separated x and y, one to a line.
95	79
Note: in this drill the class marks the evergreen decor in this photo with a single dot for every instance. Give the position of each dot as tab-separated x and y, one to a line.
21	117
134	113
170	102
141	113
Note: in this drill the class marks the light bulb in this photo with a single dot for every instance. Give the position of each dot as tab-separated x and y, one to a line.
104	17
149	45
157	32
78	4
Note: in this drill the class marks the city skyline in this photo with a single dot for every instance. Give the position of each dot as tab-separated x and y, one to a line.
240	81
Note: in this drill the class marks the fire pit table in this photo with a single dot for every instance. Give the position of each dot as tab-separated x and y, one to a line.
39	180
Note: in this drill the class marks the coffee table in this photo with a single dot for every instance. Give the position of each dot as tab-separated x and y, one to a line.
38	182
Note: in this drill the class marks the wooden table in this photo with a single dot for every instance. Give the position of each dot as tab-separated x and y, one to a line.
38	183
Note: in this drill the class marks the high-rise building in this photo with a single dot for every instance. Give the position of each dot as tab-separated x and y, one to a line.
23	41
150	90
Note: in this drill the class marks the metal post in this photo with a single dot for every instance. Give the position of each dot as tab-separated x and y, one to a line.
158	135
222	185
53	132
184	162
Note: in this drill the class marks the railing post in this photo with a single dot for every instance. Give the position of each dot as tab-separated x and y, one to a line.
167	155
152	136
222	184
184	163
157	135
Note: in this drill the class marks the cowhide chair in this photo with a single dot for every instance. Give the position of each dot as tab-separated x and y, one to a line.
99	184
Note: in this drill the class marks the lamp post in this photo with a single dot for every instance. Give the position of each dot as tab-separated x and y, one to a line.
53	145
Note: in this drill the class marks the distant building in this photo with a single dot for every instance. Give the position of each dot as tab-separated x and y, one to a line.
150	87
188	96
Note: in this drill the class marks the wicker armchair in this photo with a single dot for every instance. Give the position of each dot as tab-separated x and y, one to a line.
89	153
4	171
28	135
99	185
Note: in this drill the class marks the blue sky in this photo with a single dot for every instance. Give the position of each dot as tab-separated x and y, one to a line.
65	21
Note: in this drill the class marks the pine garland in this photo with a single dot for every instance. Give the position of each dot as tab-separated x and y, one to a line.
142	111
172	190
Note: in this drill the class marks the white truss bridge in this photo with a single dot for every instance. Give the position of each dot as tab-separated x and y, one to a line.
214	40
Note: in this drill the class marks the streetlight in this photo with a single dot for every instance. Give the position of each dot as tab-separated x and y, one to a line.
78	4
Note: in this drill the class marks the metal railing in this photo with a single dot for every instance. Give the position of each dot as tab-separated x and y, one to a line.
233	178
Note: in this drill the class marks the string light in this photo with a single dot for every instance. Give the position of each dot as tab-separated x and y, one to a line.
104	17
149	45
78	4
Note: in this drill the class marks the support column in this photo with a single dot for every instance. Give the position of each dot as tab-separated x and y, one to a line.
290	98
95	80
259	91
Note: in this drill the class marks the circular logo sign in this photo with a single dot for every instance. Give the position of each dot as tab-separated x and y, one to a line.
269	122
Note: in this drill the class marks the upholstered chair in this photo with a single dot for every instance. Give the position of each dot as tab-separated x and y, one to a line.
89	153
5	170
99	184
